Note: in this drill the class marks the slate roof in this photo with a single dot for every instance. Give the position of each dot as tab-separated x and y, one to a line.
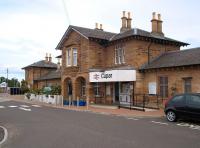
51	75
143	33
174	59
88	33
110	36
42	64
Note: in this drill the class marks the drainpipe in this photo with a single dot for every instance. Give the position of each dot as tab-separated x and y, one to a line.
148	52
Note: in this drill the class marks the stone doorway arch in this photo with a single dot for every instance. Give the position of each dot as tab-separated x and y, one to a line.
81	87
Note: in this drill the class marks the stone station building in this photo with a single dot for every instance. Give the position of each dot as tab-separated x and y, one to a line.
43	73
106	67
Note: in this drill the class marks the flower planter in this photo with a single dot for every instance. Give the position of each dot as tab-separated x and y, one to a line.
82	103
65	102
74	102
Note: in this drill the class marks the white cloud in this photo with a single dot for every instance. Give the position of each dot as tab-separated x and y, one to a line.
29	29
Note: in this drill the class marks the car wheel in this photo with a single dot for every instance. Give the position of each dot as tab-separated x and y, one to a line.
171	116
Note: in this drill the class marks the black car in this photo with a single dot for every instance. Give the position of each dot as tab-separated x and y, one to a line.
183	106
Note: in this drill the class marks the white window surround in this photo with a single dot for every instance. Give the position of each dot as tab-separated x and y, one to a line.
119	55
71	57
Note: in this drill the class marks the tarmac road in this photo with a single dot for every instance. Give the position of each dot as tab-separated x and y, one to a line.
33	126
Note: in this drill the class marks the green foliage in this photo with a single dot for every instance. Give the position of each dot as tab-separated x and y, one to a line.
2	79
11	82
56	90
24	86
53	90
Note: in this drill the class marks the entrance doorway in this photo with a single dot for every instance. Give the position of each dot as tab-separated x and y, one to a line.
123	92
69	88
116	92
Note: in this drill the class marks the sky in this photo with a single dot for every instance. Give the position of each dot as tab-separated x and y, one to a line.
31	28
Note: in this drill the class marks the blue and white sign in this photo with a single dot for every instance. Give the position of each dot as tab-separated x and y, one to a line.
113	76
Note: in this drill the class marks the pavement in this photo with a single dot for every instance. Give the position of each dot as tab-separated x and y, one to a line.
92	108
32	125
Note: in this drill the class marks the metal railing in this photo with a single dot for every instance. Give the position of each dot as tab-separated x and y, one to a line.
142	101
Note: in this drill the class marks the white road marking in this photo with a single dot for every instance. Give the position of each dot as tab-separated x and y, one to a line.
191	126
195	127
12	106
25	109
129	118
35	105
162	123
183	124
24	106
2	106
103	113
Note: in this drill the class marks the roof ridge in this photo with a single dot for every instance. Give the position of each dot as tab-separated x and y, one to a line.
93	29
184	50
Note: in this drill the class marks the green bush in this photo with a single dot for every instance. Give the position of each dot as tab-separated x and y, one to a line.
55	90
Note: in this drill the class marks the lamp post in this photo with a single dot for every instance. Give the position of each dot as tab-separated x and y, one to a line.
7	80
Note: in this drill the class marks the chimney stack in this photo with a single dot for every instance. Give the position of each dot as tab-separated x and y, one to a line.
96	26
156	25
124	22
50	58
46	58
129	21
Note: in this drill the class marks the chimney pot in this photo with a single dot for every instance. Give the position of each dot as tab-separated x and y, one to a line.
101	27
160	25
124	22
129	15
124	13
154	15
129	21
50	58
159	17
46	57
96	26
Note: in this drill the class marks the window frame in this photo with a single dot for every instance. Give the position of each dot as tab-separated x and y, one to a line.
119	55
96	89
71	57
74	63
163	86
68	57
187	85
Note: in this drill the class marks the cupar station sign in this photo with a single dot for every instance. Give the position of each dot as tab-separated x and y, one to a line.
113	76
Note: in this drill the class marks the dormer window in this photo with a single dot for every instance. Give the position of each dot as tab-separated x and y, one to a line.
71	57
119	55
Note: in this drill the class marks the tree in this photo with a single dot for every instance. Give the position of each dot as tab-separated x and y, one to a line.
24	86
13	83
2	79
